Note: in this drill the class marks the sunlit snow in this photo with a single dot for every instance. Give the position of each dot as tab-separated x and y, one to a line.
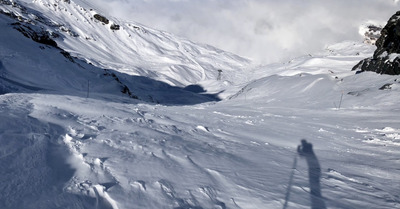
194	139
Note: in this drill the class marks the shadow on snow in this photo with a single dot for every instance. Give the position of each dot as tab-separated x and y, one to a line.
314	174
79	78
305	150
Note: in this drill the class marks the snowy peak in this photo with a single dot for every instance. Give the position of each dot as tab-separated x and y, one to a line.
132	48
147	64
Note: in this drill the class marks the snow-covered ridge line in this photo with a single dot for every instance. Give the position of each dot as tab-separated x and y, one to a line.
41	66
62	146
131	48
65	25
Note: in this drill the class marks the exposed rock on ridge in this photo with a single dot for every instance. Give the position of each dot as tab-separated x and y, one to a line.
101	18
371	33
386	58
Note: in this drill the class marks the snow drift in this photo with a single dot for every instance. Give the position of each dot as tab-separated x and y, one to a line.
81	128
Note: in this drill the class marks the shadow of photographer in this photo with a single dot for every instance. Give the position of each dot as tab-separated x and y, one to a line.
314	174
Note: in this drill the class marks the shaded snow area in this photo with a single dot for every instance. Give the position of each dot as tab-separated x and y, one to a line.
161	127
134	49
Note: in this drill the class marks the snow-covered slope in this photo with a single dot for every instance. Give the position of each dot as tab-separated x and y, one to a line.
60	149
68	61
130	48
27	66
320	80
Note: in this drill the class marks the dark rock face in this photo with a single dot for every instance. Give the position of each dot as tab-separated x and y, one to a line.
114	27
37	35
6	2
386	58
101	18
372	34
124	88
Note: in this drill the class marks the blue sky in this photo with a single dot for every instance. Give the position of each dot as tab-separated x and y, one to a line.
264	30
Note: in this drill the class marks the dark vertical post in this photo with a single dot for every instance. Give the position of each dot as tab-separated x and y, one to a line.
219	75
340	103
88	87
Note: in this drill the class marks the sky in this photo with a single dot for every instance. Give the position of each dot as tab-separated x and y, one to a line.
265	31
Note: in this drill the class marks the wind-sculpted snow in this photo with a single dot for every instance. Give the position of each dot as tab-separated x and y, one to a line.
225	155
33	162
71	136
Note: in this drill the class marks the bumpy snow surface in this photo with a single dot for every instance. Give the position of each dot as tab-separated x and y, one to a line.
196	137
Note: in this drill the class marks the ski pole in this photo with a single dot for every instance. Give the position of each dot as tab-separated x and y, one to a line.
290	183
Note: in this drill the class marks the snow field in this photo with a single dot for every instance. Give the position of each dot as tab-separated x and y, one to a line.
60	149
208	155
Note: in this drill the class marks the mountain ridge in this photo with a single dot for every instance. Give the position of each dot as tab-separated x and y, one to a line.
178	69
72	137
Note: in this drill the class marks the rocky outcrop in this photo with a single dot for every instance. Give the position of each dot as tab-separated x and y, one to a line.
36	34
106	21
114	27
124	88
101	18
386	58
371	33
